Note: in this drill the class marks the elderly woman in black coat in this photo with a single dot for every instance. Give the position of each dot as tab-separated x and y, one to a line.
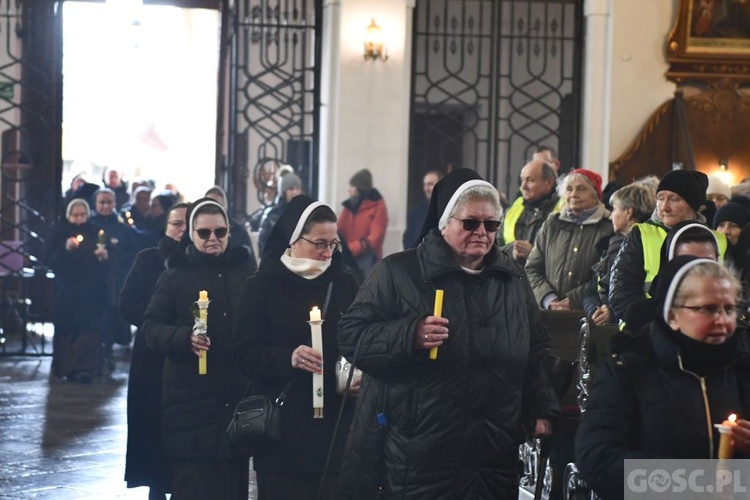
301	268
449	427
662	391
145	464
196	409
79	267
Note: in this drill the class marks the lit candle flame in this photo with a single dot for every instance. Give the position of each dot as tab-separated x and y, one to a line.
79	238
732	417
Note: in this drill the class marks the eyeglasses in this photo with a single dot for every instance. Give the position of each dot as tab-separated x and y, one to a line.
473	224
712	310
321	246
205	234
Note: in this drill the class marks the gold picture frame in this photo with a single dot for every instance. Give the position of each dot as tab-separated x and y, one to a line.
710	41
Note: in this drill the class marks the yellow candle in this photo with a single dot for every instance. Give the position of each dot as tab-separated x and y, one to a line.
102	238
437	312
203	315
725	441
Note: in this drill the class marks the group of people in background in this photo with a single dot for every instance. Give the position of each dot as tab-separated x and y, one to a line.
651	256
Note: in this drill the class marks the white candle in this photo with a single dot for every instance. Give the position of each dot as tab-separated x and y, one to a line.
315	314
316	331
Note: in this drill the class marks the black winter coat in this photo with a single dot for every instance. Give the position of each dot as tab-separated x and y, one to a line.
453	424
271	323
196	409
644	405
144	463
627	296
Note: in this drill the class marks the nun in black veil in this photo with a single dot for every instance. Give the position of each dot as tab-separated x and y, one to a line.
300	268
448	427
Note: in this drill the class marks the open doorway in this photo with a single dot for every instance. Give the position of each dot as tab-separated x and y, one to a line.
140	93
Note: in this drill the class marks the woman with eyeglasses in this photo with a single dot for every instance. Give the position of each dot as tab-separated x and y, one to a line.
661	392
448	427
80	268
301	268
559	266
196	409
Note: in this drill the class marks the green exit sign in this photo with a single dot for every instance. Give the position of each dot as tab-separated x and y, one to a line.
6	90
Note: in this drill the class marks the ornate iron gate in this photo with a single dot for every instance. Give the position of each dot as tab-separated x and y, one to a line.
274	95
30	164
491	81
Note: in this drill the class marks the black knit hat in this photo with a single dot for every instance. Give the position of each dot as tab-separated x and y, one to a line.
737	211
691	185
362	180
442	195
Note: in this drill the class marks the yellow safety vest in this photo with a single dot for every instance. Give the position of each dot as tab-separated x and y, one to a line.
511	217
514	213
653	237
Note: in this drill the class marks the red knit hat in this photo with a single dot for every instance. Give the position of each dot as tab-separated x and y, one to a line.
593	177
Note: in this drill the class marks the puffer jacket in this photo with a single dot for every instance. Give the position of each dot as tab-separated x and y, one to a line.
645	405
452	425
196	409
363	224
564	252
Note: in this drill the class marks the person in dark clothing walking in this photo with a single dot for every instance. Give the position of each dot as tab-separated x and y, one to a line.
448	427
118	240
196	409
79	268
300	268
661	392
145	464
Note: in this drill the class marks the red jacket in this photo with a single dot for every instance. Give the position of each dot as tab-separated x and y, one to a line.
368	221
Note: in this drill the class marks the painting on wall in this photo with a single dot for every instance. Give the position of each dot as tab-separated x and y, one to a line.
710	41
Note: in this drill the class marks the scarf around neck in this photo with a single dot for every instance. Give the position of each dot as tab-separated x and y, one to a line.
306	268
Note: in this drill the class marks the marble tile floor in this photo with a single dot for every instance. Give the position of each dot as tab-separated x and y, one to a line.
61	440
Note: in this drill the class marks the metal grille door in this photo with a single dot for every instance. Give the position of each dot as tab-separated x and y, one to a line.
274	93
491	81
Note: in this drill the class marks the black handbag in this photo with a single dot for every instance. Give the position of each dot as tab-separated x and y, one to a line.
256	421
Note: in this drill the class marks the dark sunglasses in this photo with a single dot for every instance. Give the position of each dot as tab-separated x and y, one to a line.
473	224
205	234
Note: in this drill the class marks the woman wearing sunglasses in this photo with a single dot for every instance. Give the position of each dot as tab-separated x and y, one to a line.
447	427
301	268
560	264
661	392
196	409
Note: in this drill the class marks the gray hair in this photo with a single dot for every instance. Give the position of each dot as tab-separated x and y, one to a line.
638	196
479	193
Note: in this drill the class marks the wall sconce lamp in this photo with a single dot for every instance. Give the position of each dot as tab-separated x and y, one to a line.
724	164
374	47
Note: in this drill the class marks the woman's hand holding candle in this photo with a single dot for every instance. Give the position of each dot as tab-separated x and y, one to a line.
73	242
199	343
741	436
431	332
308	359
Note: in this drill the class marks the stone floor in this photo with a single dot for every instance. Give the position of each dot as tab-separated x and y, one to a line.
62	440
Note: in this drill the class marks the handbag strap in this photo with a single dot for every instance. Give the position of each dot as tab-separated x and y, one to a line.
282	395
